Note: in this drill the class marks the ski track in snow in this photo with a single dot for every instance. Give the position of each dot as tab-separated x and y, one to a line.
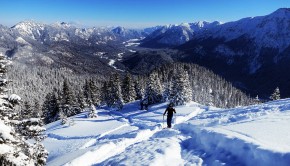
201	135
114	148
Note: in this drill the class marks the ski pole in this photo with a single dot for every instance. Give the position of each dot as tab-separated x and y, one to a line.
175	118
163	121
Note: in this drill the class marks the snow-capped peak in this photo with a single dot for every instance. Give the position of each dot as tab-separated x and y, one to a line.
29	28
28	25
201	23
185	25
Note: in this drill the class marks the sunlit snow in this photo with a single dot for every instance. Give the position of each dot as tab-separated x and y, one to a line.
201	135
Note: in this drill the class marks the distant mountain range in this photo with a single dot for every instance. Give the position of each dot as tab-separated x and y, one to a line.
89	50
254	52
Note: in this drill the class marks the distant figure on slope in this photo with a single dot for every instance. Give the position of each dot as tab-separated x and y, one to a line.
144	103
170	110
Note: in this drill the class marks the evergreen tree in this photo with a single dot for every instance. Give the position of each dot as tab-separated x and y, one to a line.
93	112
81	100
14	150
91	93
114	99
138	90
257	100
104	93
276	94
87	92
67	94
210	97
166	92
94	93
128	89
181	90
63	117
26	111
51	108
153	89
32	128
68	106
37	112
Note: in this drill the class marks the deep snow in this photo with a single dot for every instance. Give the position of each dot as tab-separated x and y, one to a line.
201	135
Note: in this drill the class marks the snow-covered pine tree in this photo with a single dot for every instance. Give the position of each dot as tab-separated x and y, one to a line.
68	105
138	90
276	94
67	94
37	112
257	100
104	93
13	149
51	108
81	100
210	97
32	128
94	93
166	92
93	112
153	89
63	117
26	111
114	99
181	92
87	92
128	89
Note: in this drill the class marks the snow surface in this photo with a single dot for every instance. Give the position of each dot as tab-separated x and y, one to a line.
201	135
14	97
132	42
112	62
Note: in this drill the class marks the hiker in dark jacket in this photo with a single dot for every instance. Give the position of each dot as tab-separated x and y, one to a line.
170	110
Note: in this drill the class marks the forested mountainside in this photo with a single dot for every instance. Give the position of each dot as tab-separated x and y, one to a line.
252	53
176	82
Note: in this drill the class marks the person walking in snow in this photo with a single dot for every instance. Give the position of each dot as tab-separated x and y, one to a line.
170	110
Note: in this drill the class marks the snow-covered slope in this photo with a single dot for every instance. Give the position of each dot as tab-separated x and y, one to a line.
267	31
253	135
251	52
272	30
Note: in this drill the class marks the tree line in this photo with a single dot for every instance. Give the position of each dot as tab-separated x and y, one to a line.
177	83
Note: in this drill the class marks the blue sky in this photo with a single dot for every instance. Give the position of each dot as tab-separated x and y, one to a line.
133	13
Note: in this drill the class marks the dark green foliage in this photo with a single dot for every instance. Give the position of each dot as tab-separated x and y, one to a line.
207	87
67	94
128	89
91	93
114	94
51	108
81	100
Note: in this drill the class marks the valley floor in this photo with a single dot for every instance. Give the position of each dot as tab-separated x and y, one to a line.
201	135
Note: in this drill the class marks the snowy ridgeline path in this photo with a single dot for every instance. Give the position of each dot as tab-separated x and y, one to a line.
254	135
